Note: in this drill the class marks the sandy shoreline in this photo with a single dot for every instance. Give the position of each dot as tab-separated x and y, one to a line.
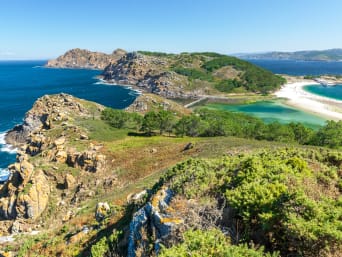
299	98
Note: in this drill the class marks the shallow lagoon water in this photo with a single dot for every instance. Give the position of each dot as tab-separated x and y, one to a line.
270	111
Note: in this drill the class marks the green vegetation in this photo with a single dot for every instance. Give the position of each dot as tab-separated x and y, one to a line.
329	135
192	73
278	199
210	243
253	78
211	123
220	73
156	54
120	119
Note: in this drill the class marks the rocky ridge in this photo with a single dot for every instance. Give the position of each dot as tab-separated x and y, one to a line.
80	58
149	73
26	195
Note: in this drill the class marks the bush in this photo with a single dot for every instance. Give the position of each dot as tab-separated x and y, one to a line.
210	243
276	199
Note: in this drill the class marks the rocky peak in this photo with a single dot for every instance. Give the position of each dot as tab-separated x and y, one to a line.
45	110
81	58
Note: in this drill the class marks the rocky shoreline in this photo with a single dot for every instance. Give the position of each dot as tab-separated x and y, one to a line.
25	196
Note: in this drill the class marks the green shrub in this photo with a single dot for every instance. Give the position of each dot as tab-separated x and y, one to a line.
211	243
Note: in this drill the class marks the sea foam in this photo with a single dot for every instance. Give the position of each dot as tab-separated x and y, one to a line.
6	147
4	175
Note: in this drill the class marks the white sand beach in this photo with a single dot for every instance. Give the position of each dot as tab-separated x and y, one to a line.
301	99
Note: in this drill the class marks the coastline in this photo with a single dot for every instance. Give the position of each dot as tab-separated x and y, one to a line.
321	106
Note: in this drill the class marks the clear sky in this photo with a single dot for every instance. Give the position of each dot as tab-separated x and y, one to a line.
39	29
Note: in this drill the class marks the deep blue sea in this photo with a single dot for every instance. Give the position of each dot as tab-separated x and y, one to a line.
22	82
298	68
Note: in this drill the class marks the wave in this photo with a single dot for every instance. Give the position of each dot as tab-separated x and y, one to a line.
4	175
6	147
38	66
135	92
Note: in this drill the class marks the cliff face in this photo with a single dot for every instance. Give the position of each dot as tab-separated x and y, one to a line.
150	73
79	58
47	133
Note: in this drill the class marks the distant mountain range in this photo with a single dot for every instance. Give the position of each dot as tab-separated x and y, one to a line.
314	55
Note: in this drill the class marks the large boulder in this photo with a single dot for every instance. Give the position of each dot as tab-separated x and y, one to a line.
102	210
34	198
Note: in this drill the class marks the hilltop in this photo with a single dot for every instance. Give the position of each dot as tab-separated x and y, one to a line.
313	55
85	59
185	75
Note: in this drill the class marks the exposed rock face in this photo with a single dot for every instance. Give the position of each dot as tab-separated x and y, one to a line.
32	203
102	210
89	160
79	58
146	72
69	181
148	102
45	110
26	194
154	216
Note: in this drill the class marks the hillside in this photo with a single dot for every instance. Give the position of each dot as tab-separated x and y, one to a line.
190	75
185	75
314	55
93	181
85	59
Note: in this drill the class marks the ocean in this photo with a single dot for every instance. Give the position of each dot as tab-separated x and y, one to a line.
22	82
299	68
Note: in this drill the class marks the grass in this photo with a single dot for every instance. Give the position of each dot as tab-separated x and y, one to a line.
99	130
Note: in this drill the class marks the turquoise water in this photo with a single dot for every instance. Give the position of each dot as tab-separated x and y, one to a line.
331	92
270	111
22	82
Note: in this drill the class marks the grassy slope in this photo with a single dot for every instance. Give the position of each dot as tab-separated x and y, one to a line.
214	73
152	156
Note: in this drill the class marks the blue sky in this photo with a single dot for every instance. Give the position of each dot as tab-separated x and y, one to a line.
39	29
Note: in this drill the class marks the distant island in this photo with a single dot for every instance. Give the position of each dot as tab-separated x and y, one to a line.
185	75
314	55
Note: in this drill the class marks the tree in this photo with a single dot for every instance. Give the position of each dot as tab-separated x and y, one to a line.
329	135
116	118
150	122
302	134
166	121
192	126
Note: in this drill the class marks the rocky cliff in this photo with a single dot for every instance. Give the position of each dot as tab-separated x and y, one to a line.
80	58
45	143
149	73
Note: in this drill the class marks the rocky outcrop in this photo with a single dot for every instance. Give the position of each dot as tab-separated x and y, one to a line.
150	73
149	102
102	210
26	193
46	130
34	197
80	58
154	219
89	160
47	109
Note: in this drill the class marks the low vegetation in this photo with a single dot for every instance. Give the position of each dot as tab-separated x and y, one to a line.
212	123
202	67
287	201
